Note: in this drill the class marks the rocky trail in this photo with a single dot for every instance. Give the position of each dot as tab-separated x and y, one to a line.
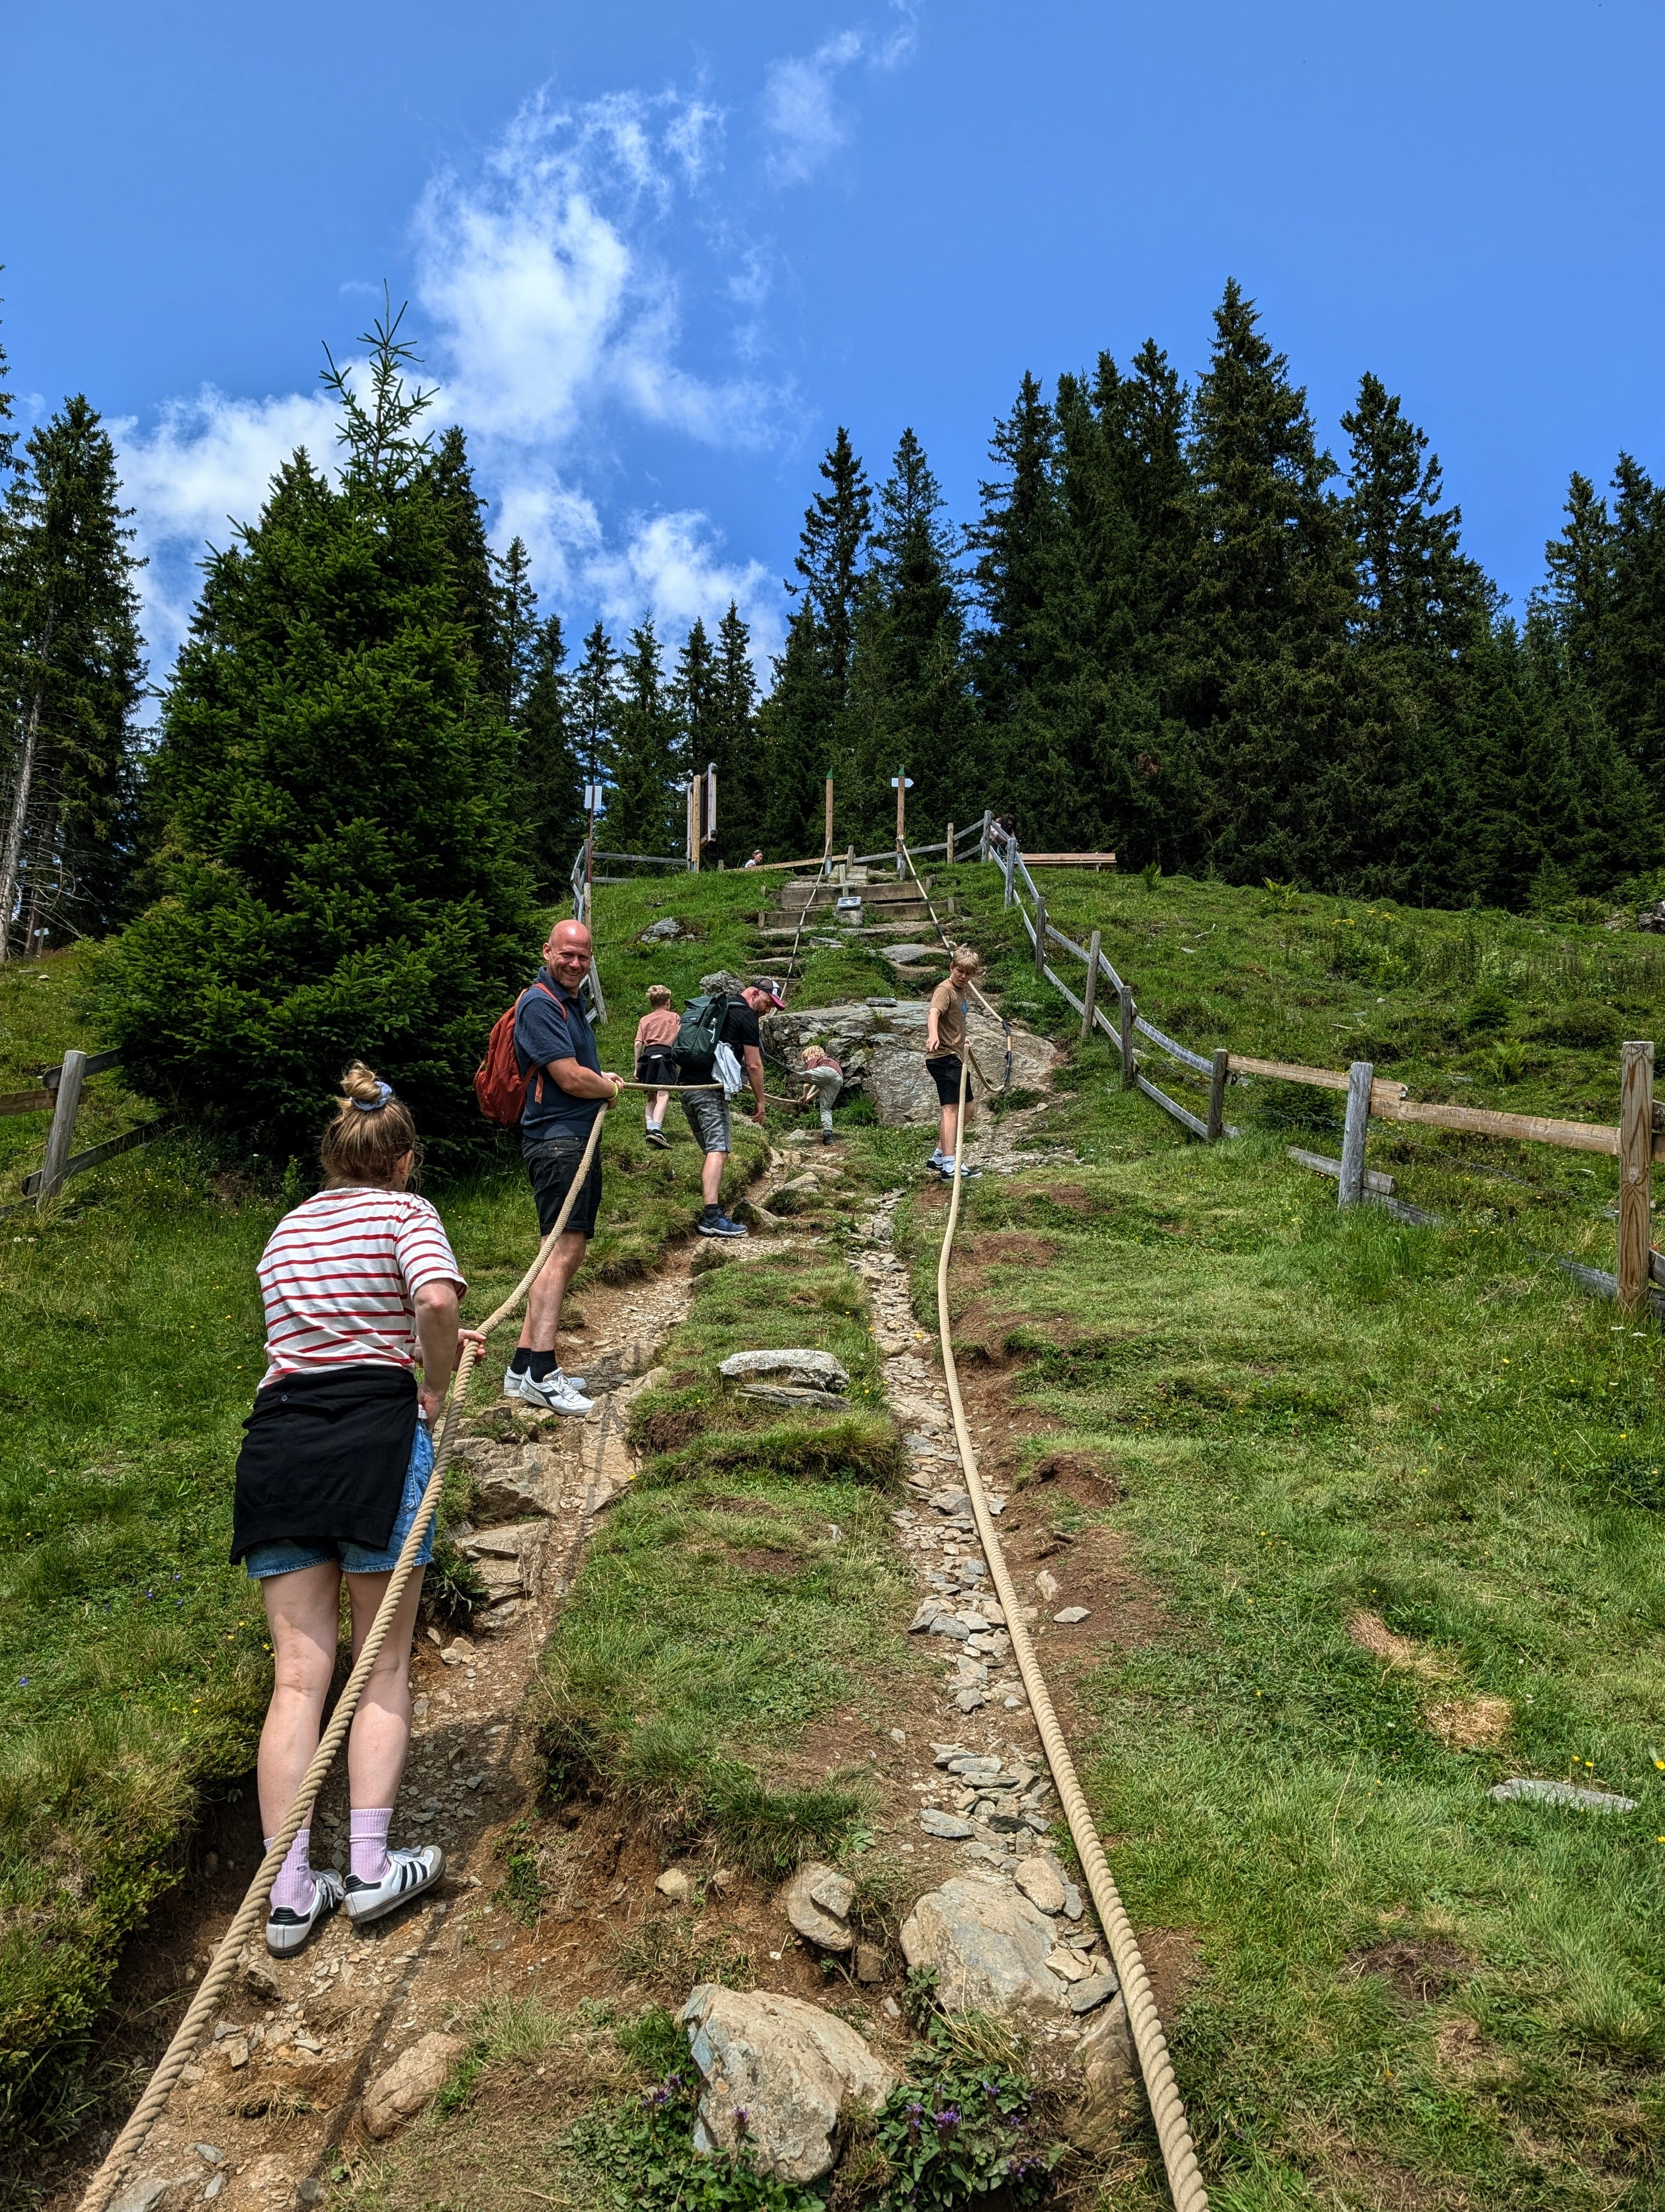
320	2061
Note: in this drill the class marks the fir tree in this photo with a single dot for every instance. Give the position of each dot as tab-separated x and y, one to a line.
737	745
341	863
595	698
522	632
796	723
479	595
1580	564
1262	681
550	775
73	674
1417	588
696	700
911	703
645	757
1015	540
1631	663
835	534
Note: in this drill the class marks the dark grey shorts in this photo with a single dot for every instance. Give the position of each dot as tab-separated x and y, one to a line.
552	1162
707	1117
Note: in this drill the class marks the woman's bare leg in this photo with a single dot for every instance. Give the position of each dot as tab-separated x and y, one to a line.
303	1611
380	1735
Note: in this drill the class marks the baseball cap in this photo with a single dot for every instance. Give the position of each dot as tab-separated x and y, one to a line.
771	987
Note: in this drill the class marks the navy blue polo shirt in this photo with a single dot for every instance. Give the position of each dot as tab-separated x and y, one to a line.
547	1029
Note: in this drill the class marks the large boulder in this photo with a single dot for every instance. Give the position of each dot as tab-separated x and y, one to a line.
987	1947
806	1370
881	1050
775	2073
409	2084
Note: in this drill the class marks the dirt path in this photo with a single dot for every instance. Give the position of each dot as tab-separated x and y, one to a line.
300	2039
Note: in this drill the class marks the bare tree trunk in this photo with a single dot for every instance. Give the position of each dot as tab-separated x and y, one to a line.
11	863
37	868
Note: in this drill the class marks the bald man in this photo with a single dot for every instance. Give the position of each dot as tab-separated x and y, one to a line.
556	1047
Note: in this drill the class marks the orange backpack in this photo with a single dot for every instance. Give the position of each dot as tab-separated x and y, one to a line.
498	1085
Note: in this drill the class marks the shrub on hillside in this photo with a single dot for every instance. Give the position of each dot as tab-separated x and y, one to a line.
338	872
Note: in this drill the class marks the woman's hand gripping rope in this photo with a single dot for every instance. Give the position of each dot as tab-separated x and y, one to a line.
251	1911
1173	2130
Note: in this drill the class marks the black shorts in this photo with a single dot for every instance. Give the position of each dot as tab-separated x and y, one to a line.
657	1068
552	1162
944	1070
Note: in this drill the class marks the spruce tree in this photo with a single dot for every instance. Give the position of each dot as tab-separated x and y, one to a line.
1417	589
1262	678
594	697
796	725
911	703
737	745
341	864
1580	564
74	675
521	629
645	759
479	593
1630	666
549	773
835	535
1015	540
696	700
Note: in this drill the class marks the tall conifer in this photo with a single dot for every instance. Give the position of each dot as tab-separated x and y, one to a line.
646	758
549	773
738	745
342	869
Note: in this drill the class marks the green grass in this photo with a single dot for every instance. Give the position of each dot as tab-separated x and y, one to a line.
133	1661
1311	1415
748	1587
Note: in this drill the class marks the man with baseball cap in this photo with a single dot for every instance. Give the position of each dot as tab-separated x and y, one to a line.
739	1058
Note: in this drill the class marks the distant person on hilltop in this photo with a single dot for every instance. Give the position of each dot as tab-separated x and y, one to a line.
757	859
944	1042
360	1287
555	1047
656	1058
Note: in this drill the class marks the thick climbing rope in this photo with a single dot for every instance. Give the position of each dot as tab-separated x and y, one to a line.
1173	2130
251	1911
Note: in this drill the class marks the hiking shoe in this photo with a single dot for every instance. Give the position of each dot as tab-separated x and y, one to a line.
946	1169
411	1869
826	1136
555	1394
936	1158
657	1137
287	1931
722	1226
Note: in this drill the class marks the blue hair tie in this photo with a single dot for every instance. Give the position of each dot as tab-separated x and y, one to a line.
385	1091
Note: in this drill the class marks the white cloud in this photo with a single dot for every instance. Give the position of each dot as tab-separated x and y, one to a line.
206	466
800	110
671	567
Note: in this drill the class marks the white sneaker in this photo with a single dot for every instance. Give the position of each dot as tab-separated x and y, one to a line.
555	1394
411	1869
287	1931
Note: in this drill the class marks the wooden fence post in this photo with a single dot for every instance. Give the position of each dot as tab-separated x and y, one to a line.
63	1130
948	857
1089	997
982	842
1010	862
1360	1076
1126	1027
1218	1073
1040	939
1636	1121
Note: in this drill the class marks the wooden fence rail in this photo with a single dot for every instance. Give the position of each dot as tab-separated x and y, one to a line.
1637	1142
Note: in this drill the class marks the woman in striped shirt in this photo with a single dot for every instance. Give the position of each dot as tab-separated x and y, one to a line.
359	1286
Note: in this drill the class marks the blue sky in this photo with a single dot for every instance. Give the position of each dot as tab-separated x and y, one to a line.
655	254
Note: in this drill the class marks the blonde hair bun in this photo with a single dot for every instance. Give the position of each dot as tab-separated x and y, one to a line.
361	1085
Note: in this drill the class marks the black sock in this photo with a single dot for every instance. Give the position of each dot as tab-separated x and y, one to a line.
540	1365
521	1362
712	1213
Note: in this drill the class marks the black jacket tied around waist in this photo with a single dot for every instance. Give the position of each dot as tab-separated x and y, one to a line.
323	1458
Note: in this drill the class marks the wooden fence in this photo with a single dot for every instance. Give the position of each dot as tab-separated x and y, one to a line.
59	1095
1636	1142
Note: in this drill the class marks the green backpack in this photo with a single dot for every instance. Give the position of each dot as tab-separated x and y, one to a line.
701	1025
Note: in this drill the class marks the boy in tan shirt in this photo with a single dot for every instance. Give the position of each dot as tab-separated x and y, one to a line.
945	1043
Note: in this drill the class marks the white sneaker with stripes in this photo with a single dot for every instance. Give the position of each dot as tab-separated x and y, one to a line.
287	1931
411	1869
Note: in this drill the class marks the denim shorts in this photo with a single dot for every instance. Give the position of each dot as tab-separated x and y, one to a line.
707	1117
285	1557
552	1162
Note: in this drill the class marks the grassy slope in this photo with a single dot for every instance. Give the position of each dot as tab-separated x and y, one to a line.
132	1656
1311	1415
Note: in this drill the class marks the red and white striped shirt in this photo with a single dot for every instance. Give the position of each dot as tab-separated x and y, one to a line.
339	1277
